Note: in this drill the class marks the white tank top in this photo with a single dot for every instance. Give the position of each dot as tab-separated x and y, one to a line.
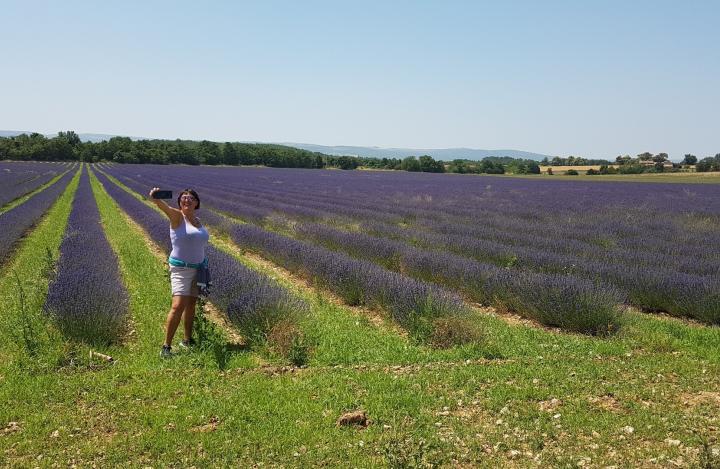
188	242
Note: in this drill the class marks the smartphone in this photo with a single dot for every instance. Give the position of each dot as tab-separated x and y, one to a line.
162	195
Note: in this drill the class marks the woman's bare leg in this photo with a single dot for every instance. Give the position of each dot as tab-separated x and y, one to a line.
174	316
189	315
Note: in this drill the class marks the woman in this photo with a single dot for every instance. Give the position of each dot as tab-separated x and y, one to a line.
189	238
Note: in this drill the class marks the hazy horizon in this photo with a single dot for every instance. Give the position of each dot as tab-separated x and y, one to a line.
555	78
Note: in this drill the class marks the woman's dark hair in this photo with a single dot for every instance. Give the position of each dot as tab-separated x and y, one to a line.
192	193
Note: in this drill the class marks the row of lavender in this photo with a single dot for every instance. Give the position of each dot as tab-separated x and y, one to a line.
676	272
416	306
86	296
569	303
254	303
20	178
18	220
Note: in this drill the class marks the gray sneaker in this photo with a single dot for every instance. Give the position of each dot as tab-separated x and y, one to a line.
166	352
187	343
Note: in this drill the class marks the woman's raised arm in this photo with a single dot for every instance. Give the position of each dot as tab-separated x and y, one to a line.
173	214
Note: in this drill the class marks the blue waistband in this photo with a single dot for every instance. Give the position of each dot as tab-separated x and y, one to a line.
178	263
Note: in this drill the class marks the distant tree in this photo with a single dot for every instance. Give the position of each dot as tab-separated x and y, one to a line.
208	152
347	162
549	171
605	169
708	164
457	166
647	156
230	154
410	163
491	167
571	172
689	159
72	138
429	165
631	169
660	157
623	159
591	172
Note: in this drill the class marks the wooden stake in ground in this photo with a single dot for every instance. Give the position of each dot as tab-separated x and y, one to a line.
101	356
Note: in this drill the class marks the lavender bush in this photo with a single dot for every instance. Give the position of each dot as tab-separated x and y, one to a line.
86	296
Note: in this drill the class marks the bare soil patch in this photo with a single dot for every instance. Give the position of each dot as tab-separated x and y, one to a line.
606	402
701	398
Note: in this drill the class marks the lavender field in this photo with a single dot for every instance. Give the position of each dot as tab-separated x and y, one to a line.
476	320
566	253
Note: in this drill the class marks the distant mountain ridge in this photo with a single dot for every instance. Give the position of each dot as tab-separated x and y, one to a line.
445	154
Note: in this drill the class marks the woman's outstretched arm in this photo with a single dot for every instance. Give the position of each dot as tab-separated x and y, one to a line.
173	214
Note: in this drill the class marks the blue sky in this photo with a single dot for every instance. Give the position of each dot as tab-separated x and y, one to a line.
596	79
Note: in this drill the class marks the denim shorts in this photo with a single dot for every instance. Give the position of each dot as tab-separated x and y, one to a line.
182	281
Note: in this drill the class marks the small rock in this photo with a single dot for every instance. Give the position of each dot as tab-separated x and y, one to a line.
672	442
628	429
11	427
55	434
356	418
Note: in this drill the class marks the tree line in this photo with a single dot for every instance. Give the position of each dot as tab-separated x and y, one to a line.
67	146
572	161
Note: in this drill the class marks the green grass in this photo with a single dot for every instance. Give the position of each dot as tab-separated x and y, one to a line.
548	399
